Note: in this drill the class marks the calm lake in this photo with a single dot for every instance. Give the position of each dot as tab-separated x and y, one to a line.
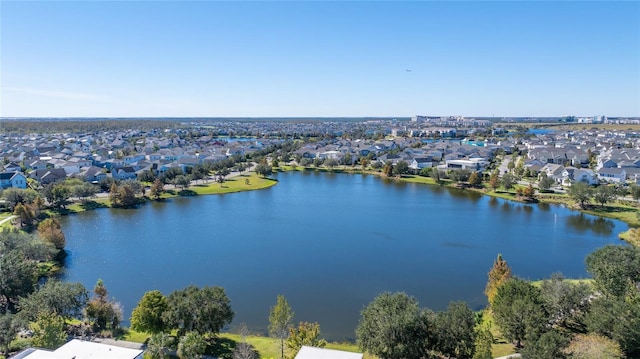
330	243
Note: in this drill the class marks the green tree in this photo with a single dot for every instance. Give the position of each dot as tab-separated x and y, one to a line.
330	162
518	311
25	215
48	331
619	319
484	341
280	319
593	346
10	325
147	176
455	331
461	175
392	326
508	181
182	181
581	193
401	168
347	159
604	194
191	346
60	195
549	345
147	315
635	192
104	314
17	196
498	275
436	175
305	334
50	231
62	298
84	191
17	278
263	170
159	346
612	267
202	310
567	303
475	180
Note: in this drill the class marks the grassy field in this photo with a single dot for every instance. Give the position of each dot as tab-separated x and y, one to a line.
245	182
631	236
500	346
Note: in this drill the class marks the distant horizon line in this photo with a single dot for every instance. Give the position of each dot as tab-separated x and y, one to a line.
295	117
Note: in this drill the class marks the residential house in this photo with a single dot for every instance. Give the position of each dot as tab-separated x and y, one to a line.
617	175
92	174
124	173
307	352
48	175
12	167
553	171
80	349
419	163
572	174
13	180
37	165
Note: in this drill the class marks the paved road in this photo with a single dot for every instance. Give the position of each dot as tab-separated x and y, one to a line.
7	219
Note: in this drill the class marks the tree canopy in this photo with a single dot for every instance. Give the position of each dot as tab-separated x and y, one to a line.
386	327
280	319
202	310
147	315
518	310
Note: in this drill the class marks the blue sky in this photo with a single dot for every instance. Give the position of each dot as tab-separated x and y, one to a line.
303	58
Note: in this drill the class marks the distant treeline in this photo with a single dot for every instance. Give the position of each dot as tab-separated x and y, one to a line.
82	125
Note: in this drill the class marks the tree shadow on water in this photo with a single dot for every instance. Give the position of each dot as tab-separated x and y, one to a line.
598	225
187	193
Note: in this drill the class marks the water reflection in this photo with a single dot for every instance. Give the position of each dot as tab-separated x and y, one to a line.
466	194
546	207
597	225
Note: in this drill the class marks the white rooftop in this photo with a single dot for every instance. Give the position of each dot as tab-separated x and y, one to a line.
79	349
322	353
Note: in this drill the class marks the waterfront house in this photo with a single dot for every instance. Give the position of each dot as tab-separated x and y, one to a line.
124	173
13	180
307	352
617	175
80	349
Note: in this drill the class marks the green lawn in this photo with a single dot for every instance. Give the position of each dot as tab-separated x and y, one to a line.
500	346
269	348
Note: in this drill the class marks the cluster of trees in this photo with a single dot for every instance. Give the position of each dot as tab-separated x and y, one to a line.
565	319
557	319
394	326
195	314
582	193
48	307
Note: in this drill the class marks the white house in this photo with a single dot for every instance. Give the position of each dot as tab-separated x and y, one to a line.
80	349
322	353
